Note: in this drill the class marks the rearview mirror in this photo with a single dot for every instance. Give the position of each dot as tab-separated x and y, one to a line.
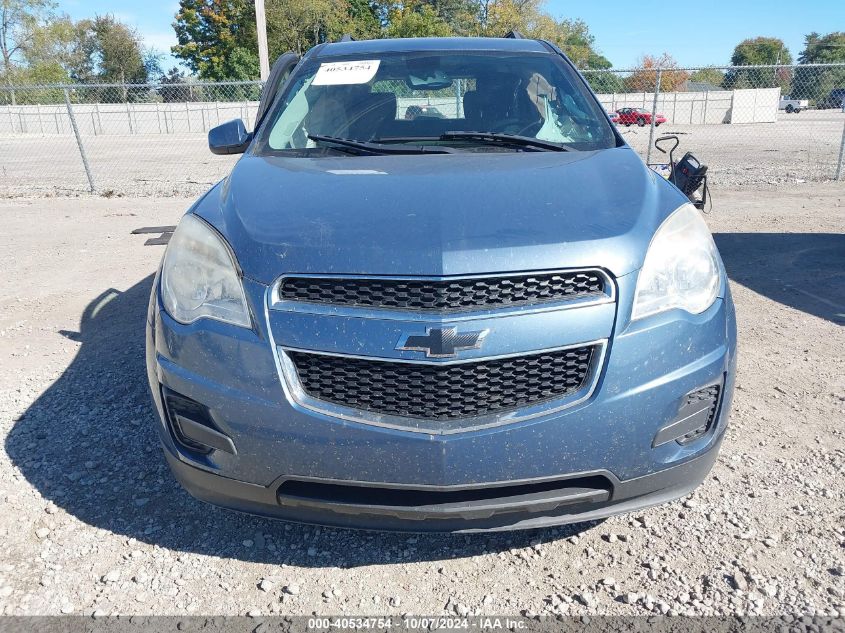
229	138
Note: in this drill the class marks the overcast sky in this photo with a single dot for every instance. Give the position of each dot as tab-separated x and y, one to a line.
694	33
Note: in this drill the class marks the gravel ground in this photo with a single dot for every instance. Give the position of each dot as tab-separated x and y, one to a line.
798	147
91	520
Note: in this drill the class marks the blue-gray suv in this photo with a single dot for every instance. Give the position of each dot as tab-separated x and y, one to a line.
438	292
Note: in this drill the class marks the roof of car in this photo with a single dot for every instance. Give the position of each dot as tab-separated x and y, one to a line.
374	47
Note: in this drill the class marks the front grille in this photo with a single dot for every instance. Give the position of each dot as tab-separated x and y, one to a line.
443	392
701	397
444	295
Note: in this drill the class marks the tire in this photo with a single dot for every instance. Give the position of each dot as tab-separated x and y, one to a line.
656	124
641	121
790	109
627	125
797	110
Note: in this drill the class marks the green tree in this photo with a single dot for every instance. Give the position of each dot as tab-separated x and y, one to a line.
112	52
417	20
53	51
823	49
574	38
19	22
460	15
362	20
760	51
297	25
217	38
712	76
813	82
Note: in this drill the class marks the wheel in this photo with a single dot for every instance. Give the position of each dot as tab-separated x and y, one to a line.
640	121
797	110
657	124
790	109
627	125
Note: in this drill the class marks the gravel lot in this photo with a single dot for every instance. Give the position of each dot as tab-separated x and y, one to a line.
798	147
91	520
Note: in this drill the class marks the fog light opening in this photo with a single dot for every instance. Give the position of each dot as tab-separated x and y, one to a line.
695	417
192	427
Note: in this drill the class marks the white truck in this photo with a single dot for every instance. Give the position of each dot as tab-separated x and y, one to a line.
792	105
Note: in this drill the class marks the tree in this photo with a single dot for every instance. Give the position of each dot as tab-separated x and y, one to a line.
574	38
114	51
644	80
297	25
760	51
175	87
712	76
823	49
362	20
459	15
815	83
19	21
417	20
217	38
53	50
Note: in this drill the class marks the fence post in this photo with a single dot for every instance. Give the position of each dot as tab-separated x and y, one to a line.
839	166
40	122
79	141
129	116
653	116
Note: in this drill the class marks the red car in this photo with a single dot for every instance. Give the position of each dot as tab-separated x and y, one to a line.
631	116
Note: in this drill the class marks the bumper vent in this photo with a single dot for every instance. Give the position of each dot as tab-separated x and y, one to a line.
445	502
445	295
703	398
443	391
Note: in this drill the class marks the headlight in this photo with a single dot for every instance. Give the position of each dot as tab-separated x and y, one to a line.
199	277
681	268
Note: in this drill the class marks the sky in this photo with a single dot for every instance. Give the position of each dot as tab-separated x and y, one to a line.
694	33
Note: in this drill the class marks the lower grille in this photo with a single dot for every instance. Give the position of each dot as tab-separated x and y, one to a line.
444	391
701	398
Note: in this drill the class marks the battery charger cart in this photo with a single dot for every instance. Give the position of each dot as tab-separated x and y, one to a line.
688	174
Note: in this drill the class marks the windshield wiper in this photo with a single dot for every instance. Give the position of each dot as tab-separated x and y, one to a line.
499	138
379	148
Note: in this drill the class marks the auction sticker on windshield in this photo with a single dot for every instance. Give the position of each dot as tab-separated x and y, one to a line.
345	73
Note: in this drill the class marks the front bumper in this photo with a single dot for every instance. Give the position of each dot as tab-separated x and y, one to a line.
627	496
586	462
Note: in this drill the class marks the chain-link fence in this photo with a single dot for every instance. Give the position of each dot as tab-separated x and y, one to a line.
753	126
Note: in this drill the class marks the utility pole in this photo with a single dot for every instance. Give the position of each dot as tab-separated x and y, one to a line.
261	26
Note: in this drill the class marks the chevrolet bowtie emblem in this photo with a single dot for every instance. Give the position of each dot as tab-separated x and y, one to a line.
441	342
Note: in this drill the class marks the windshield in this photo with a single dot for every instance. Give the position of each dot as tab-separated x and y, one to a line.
415	97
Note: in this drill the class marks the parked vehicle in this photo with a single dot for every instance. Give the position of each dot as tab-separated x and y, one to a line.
638	116
414	111
793	105
834	99
498	320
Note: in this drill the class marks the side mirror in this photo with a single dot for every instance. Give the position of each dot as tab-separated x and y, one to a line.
229	138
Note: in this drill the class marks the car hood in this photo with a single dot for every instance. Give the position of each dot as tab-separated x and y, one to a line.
463	213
